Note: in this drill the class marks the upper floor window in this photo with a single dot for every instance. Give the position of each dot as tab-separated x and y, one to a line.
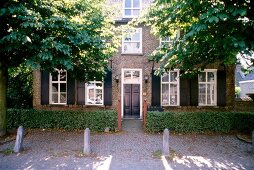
170	88
167	41
131	8
207	87
132	41
94	93
58	87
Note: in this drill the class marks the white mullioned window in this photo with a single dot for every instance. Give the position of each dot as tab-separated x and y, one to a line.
94	93
131	8
207	86
167	41
58	87
170	88
132	41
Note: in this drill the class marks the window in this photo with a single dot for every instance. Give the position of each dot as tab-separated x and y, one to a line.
132	76
207	87
131	8
94	93
170	88
167	41
58	87
132	41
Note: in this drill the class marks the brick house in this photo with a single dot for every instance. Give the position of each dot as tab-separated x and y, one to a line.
132	79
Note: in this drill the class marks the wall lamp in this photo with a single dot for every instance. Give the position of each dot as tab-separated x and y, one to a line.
146	78
117	78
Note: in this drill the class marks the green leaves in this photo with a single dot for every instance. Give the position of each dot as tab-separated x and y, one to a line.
212	31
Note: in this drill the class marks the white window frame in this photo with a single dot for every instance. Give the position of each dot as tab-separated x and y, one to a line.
140	42
131	8
206	83
59	82
102	89
170	40
169	83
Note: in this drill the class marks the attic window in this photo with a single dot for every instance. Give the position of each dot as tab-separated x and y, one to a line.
131	8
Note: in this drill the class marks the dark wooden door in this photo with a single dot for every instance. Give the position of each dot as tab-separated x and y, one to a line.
132	100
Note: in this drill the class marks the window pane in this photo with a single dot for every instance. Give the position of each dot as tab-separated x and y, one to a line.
210	76
127	3
98	99
127	12
54	76
202	93
132	48
136	36
202	77
54	87
63	75
165	78
127	75
165	39
98	85
165	94
210	94
63	98
173	76
136	3
54	98
127	37
62	87
135	12
173	94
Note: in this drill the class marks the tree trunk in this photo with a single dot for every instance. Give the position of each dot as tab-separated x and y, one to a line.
3	105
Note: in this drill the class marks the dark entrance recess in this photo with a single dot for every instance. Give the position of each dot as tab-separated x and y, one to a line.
131	101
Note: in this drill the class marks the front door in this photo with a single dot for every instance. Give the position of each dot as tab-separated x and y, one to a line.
131	100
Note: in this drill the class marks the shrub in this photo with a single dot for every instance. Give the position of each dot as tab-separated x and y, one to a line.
69	120
200	121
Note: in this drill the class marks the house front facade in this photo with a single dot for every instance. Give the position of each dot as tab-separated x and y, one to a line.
131	80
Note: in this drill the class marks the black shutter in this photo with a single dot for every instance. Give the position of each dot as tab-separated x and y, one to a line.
108	89
221	88
44	87
70	89
156	90
184	91
81	95
194	91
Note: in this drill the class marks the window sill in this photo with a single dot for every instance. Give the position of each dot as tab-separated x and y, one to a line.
207	106
132	54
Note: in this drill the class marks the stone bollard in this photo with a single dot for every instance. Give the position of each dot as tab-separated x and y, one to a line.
253	141
87	148
165	150
19	140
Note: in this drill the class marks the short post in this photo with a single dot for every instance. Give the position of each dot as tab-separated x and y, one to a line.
253	141
19	140
165	150
119	118
87	148
144	114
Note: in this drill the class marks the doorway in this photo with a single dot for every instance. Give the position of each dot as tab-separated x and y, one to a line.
131	101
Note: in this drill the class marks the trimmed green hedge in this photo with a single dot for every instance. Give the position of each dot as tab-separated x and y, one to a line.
69	120
200	121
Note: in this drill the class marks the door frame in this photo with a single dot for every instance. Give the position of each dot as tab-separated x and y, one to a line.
122	89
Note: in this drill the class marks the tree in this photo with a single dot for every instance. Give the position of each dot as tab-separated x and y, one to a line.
45	34
211	31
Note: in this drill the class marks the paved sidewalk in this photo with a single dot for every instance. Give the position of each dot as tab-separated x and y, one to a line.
128	149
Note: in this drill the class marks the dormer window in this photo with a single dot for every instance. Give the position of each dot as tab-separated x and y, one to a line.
131	8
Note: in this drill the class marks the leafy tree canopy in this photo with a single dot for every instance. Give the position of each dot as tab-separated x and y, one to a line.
211	31
46	34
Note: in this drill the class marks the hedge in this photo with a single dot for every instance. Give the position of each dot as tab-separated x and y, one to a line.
200	121
69	120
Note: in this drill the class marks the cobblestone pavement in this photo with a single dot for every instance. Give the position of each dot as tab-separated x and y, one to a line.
129	149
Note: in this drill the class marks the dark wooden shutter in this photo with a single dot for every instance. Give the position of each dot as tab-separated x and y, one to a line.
184	91
70	89
156	90
81	95
108	89
44	87
194	91
221	88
